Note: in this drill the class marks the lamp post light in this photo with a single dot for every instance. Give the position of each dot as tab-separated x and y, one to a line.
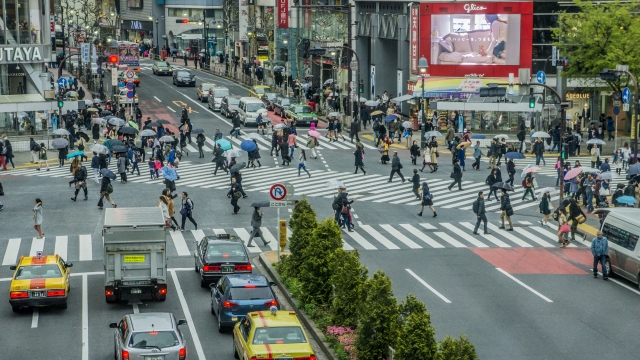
423	65
355	66
156	40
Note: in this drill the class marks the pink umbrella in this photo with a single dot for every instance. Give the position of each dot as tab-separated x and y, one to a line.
314	133
531	169
573	173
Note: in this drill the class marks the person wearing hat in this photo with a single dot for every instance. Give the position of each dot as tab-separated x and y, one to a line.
256	223
481	213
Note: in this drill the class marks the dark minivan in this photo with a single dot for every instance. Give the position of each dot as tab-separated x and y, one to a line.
216	257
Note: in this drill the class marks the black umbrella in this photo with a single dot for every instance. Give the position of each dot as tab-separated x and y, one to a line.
163	121
261	204
128	130
115	142
119	149
503	185
83	135
239	166
108	173
197	131
105	112
153	124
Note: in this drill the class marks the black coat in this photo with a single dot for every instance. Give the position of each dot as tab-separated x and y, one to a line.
104	184
457	171
358	156
62	153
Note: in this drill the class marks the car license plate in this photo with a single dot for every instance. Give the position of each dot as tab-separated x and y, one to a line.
37	294
136	291
283	358
154	358
228	269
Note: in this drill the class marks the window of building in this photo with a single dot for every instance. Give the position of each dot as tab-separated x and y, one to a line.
135	4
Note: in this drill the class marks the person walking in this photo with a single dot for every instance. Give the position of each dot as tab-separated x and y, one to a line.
600	250
477	154
354	129
433	154
135	158
186	210
200	142
481	213
345	211
494	150
427	199
491	180
274	143
456	175
106	189
384	149
545	208
42	155
235	193
38	218
312	142
359	160
590	185
414	151
284	153
171	207
415	181
617	161
256	223
461	154
449	136
62	155
563	228
122	168
218	158
576	216
538	150
95	166
8	151
558	167
507	210
80	181
396	166
293	143
35	149
511	170
302	160
595	156
163	204
529	187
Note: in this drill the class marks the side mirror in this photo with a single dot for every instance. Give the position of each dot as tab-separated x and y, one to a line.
212	286
271	283
12	267
69	265
182	322
113	325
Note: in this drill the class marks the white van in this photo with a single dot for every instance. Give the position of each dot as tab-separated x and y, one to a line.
621	228
248	110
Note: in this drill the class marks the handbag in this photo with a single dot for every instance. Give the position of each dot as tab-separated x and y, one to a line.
565	228
345	209
183	211
437	153
237	195
605	192
453	175
580	219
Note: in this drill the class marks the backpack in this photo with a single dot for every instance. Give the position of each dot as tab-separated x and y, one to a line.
524	183
336	203
427	196
109	188
376	126
476	206
36	147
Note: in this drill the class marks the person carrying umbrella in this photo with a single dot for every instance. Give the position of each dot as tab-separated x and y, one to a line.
106	189
235	193
529	187
122	168
186	210
538	150
62	155
80	181
507	210
256	223
218	158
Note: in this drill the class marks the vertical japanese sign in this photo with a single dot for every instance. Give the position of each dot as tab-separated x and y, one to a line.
415	37
243	20
84	51
307	14
283	14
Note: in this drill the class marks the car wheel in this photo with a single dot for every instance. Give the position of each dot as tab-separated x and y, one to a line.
63	306
235	351
221	328
203	283
197	270
16	309
607	265
138	85
109	301
212	311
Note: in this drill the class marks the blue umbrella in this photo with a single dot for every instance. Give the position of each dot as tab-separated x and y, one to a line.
224	144
478	136
390	118
108	173
514	155
248	145
169	173
74	154
626	200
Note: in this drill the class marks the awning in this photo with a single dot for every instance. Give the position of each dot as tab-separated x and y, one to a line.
514	104
32	102
402	98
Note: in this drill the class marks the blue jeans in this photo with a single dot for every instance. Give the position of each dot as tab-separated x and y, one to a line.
510	181
540	157
301	166
346	221
599	259
235	133
559	171
554	146
291	150
590	202
376	135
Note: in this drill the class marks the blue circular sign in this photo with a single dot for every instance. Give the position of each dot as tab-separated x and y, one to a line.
130	86
616	110
121	83
62	82
130	94
99	71
541	77
626	95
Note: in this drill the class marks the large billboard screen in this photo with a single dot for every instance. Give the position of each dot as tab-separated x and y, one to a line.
475	39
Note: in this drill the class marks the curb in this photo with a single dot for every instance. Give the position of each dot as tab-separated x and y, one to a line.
308	322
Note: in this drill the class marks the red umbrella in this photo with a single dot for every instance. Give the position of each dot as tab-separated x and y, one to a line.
572	173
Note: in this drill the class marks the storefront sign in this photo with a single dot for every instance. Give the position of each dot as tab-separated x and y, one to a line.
415	30
20	54
243	20
138	25
283	14
473	7
577	95
411	85
307	14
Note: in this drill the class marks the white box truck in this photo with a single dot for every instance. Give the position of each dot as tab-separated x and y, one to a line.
135	261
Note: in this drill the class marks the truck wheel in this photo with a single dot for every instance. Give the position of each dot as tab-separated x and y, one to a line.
109	301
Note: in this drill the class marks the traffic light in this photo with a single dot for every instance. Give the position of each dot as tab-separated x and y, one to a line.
608	75
361	88
60	102
113	59
182	21
564	61
493	91
532	102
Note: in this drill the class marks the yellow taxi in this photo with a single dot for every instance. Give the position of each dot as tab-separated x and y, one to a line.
276	334
39	281
258	90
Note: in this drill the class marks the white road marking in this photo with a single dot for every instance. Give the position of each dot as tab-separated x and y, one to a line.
532	237
360	240
85	318
467	236
524	285
619	283
244	235
169	107
34	318
398	235
198	234
36	245
376	235
273	243
136	308
428	226
178	241
61	246
491	238
187	315
415	232
428	286
157	99
86	250
449	239
11	255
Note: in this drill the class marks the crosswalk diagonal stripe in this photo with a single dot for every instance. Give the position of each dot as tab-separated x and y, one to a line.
198	234
444	236
547	234
11	253
273	243
179	243
487	237
508	236
532	237
401	237
61	246
466	236
244	235
360	240
422	236
379	237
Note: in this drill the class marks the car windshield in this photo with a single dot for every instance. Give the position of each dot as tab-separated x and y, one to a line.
162	64
225	252
233	101
253	107
303	109
38	272
279	335
286	102
259	90
207	87
184	73
222	93
250	293
161	339
271	96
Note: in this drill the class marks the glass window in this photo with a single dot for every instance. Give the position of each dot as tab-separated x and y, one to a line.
541	51
279	335
161	339
38	272
253	107
233	101
545	21
23	22
257	293
35	21
11	21
225	252
619	236
542	36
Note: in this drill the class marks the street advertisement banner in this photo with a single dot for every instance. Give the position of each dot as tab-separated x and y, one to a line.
128	54
307	14
415	31
283	14
243	20
373	82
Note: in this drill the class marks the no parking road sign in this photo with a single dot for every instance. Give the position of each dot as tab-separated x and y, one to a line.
278	192
129	74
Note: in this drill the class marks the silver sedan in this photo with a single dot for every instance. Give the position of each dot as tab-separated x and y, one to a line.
149	336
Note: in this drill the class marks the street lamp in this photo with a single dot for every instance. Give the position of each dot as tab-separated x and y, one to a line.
423	65
157	39
355	67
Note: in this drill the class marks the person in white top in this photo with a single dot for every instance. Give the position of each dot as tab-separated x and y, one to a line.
302	158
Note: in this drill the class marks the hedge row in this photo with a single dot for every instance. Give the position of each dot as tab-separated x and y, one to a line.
358	313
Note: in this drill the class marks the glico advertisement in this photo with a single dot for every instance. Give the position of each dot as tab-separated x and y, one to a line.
484	39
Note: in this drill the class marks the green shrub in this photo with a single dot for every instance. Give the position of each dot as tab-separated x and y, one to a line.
456	349
303	222
378	316
317	268
416	340
347	280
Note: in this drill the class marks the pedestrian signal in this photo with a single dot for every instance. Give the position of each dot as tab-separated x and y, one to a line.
532	102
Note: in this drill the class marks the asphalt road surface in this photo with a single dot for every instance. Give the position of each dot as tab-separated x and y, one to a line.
515	294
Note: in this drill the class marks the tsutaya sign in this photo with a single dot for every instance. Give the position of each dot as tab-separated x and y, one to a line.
473	7
20	54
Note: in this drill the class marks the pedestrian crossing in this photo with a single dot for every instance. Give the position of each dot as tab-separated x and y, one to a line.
264	143
150	67
416	236
548	169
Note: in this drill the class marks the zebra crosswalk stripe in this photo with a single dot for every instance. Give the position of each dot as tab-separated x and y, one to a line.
36	245
11	255
179	243
488	237
86	249
61	246
467	236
